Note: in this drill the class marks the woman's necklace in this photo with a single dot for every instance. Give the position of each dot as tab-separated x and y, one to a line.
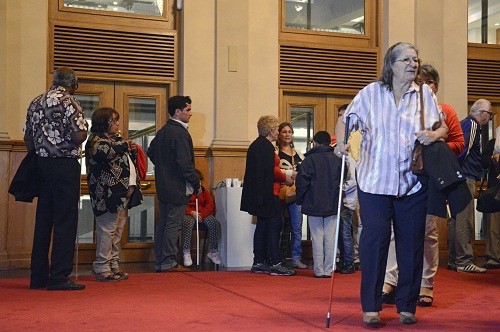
288	150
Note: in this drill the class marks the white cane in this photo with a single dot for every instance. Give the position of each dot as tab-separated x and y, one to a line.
346	136
197	237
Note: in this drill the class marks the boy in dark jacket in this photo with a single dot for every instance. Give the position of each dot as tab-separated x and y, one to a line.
317	192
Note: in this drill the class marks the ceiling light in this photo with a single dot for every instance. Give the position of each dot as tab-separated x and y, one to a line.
298	8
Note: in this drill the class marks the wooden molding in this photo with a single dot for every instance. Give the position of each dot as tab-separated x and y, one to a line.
228	151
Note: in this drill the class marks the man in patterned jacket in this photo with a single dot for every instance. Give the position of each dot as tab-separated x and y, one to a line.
55	128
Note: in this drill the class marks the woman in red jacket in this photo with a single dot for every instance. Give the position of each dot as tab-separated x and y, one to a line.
206	215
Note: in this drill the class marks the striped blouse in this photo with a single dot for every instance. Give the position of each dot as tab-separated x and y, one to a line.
388	136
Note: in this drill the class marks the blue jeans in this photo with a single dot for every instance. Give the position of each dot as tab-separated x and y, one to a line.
296	221
346	241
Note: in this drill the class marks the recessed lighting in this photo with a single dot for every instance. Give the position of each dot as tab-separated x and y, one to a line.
497	24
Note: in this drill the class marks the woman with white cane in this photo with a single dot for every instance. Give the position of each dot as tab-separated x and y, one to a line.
387	112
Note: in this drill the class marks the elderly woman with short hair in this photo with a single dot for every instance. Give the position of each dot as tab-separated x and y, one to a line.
260	197
388	115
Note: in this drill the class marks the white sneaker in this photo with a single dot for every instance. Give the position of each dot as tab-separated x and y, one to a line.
187	259
214	257
471	268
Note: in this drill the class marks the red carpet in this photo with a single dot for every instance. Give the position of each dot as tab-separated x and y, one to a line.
239	301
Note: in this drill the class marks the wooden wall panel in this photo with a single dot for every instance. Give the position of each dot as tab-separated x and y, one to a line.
4	184
16	219
103	52
483	72
319	69
228	163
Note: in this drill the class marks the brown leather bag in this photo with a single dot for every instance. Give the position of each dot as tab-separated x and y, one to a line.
288	194
417	157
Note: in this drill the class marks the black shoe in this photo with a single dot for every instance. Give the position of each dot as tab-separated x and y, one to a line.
280	270
260	268
68	285
491	266
34	284
339	266
389	298
38	281
348	269
357	266
451	267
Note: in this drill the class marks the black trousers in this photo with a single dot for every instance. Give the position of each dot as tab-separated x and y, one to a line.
267	237
57	212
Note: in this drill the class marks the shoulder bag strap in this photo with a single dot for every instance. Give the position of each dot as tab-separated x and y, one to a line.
422	121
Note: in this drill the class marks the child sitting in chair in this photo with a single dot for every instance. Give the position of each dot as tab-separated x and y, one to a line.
206	216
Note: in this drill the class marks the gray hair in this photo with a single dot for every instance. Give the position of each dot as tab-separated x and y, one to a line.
431	72
480	105
65	77
390	57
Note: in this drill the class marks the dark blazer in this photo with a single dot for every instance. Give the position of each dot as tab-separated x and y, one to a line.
258	197
24	184
445	180
318	182
172	153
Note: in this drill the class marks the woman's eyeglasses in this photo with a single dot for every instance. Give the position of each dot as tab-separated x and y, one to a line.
407	61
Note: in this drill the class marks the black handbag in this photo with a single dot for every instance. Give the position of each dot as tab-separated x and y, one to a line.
24	185
488	200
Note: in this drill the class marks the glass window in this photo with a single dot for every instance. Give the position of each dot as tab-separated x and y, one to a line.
146	7
141	222
344	16
484	29
141	127
89	104
302	120
85	221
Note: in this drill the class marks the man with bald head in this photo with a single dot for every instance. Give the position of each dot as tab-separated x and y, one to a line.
461	226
